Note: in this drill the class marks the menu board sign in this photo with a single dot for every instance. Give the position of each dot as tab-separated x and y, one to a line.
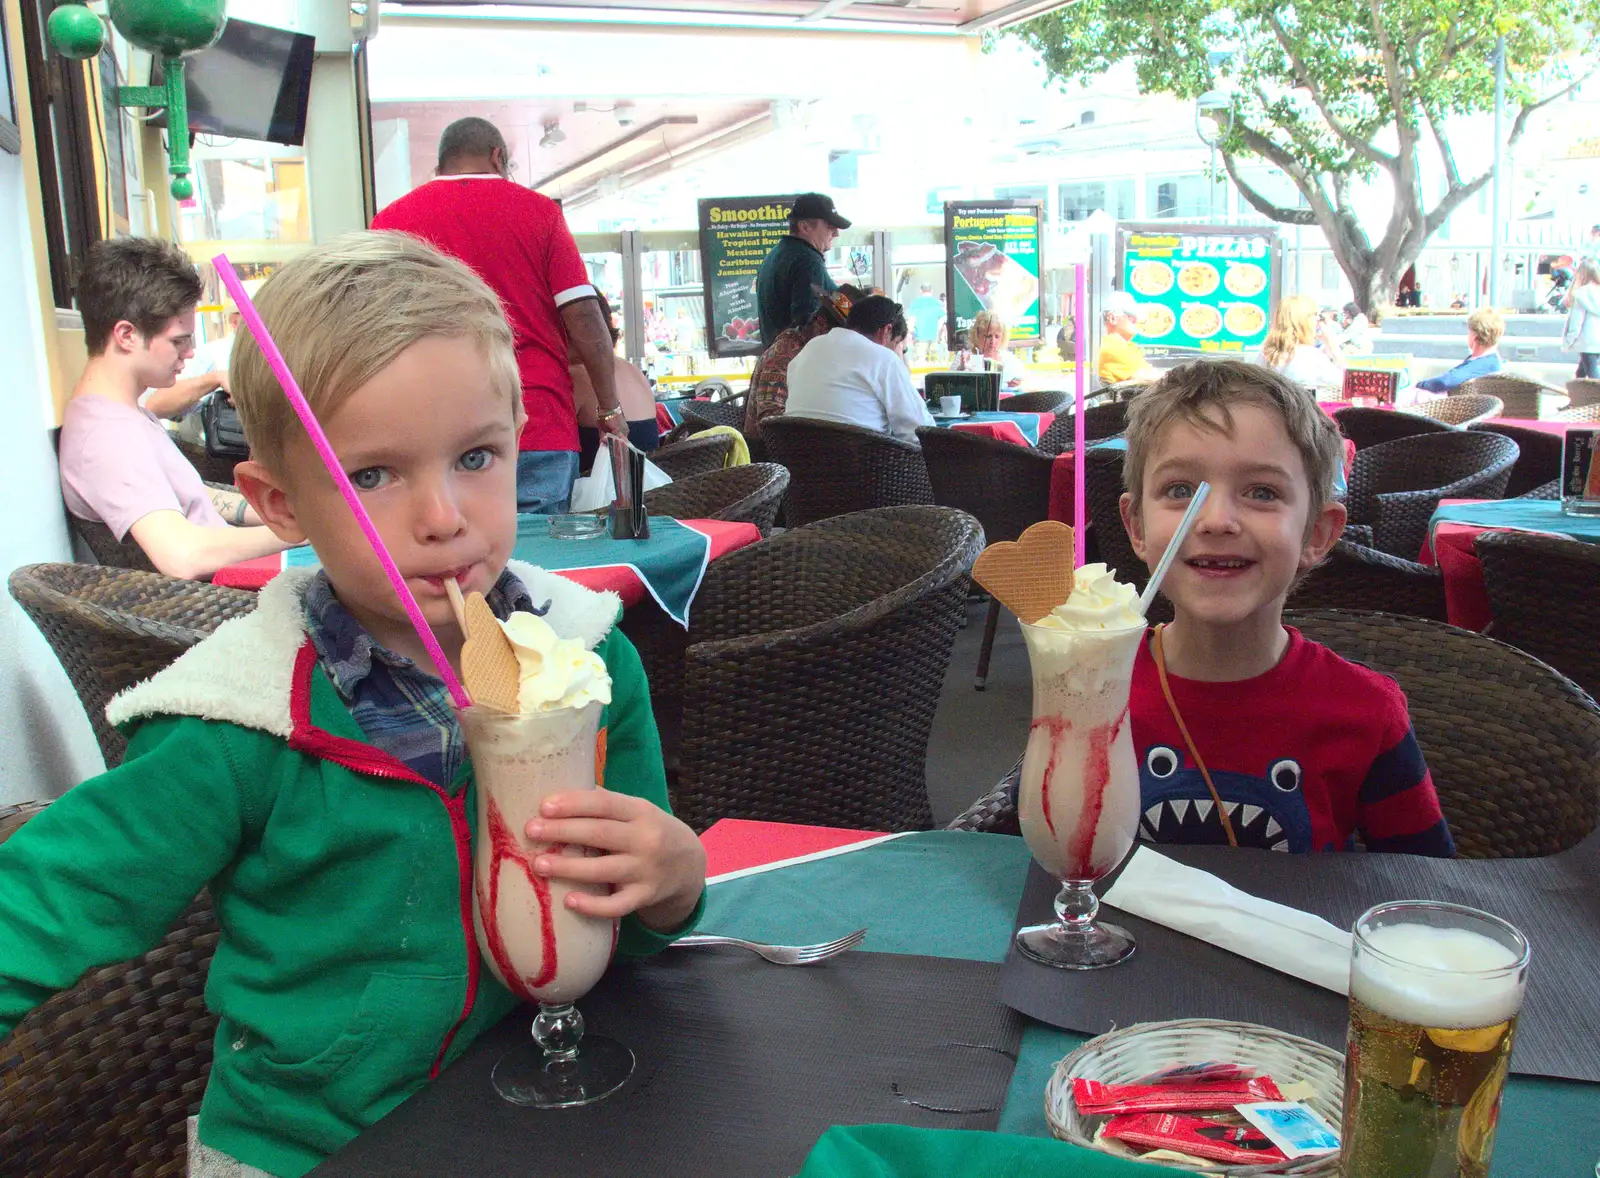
736	235
992	259
1200	288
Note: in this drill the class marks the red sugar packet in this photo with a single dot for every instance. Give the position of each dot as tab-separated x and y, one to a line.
1195	1136
1191	1072
1097	1099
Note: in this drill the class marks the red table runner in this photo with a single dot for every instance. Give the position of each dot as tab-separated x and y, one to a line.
738	846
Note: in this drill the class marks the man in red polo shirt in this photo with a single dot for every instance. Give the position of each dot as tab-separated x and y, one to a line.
519	242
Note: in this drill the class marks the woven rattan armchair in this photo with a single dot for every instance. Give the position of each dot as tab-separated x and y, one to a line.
815	664
1395	487
1355	577
106	548
1544	593
694	455
726	412
1460	409
1007	487
1102	487
1513	745
1538	460
836	469
113	627
745	494
1519	395
1099	421
101	1078
1582	391
1052	401
212	470
1580	413
1373	427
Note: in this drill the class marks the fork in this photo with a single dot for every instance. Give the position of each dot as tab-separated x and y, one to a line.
783	954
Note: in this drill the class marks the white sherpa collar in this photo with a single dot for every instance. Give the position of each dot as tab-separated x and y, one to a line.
244	672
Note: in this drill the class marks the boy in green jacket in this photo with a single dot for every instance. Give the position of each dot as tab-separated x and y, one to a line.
303	763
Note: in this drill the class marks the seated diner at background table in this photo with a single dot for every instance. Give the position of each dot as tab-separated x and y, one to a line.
1266	739
1120	358
858	376
987	337
307	766
118	466
769	379
1485	326
1292	346
633	394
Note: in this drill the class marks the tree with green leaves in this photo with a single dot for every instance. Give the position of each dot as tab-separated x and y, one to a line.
1330	91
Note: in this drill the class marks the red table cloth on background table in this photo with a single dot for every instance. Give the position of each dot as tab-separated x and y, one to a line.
725	537
739	846
1004	431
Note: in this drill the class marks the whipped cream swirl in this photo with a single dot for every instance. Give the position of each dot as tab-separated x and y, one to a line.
555	672
1098	602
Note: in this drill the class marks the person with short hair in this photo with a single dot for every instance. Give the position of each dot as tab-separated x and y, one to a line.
518	242
794	274
1582	331
1485	326
1266	734
1120	358
858	376
987	338
118	465
926	315
1291	346
306	767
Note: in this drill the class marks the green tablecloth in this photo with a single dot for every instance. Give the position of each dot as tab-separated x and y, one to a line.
954	894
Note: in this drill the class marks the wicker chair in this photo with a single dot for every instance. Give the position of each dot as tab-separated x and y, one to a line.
837	469
1461	409
1519	395
814	668
113	627
996	811
1539	460
694	455
101	1078
1580	413
1544	591
714	388
1102	487
1355	577
746	494
1006	487
106	548
1395	487
1041	402
1373	427
1582	391
726	412
1513	745
212	470
1550	490
1099	421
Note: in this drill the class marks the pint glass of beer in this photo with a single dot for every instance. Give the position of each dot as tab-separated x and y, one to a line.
1434	995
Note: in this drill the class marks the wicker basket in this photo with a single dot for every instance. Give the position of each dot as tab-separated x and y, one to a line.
1125	1055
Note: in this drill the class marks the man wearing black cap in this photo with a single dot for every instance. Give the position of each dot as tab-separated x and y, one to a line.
794	272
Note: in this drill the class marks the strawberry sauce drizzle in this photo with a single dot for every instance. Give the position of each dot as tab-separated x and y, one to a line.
1058	727
503	846
1096	777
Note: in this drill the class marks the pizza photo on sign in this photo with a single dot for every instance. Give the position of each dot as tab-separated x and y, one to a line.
1150	278
1245	280
1201	321
1198	278
1155	320
1244	319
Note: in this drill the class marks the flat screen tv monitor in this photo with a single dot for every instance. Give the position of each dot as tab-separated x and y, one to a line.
254	83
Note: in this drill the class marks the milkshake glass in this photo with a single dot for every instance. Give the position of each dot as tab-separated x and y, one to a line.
539	949
1078	797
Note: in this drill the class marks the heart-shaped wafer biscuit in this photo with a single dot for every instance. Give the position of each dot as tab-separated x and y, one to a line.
488	663
1032	574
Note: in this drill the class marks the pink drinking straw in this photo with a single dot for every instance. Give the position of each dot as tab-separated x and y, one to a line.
291	389
1080	305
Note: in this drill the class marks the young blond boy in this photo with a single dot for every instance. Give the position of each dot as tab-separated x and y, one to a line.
1300	748
304	764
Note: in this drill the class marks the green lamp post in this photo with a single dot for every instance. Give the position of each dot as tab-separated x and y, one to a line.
169	28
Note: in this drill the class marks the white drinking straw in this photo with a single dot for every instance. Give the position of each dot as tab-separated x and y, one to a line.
1173	545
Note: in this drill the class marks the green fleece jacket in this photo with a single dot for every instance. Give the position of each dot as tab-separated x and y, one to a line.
347	972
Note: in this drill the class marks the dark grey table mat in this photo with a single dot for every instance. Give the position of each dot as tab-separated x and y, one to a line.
1554	901
741	1067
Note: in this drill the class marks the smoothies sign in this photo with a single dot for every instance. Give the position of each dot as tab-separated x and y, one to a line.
1199	288
736	234
992	254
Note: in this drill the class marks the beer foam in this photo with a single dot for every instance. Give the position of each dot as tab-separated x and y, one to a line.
1425	976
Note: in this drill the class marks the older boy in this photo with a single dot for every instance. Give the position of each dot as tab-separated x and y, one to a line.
1293	748
302	763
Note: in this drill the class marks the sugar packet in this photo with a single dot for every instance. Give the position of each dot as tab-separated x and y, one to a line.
1294	1128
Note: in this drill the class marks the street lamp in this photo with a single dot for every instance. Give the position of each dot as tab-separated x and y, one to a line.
1211	109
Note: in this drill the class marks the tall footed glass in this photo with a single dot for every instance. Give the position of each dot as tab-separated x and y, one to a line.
542	951
1078	798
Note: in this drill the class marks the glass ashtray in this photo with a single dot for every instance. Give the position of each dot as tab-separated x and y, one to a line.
578	527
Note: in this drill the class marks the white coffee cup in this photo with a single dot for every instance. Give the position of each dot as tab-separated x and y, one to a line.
950	406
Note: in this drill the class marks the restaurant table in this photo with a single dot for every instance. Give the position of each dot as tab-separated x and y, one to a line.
1456	525
604	573
1021	429
669	412
955	894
